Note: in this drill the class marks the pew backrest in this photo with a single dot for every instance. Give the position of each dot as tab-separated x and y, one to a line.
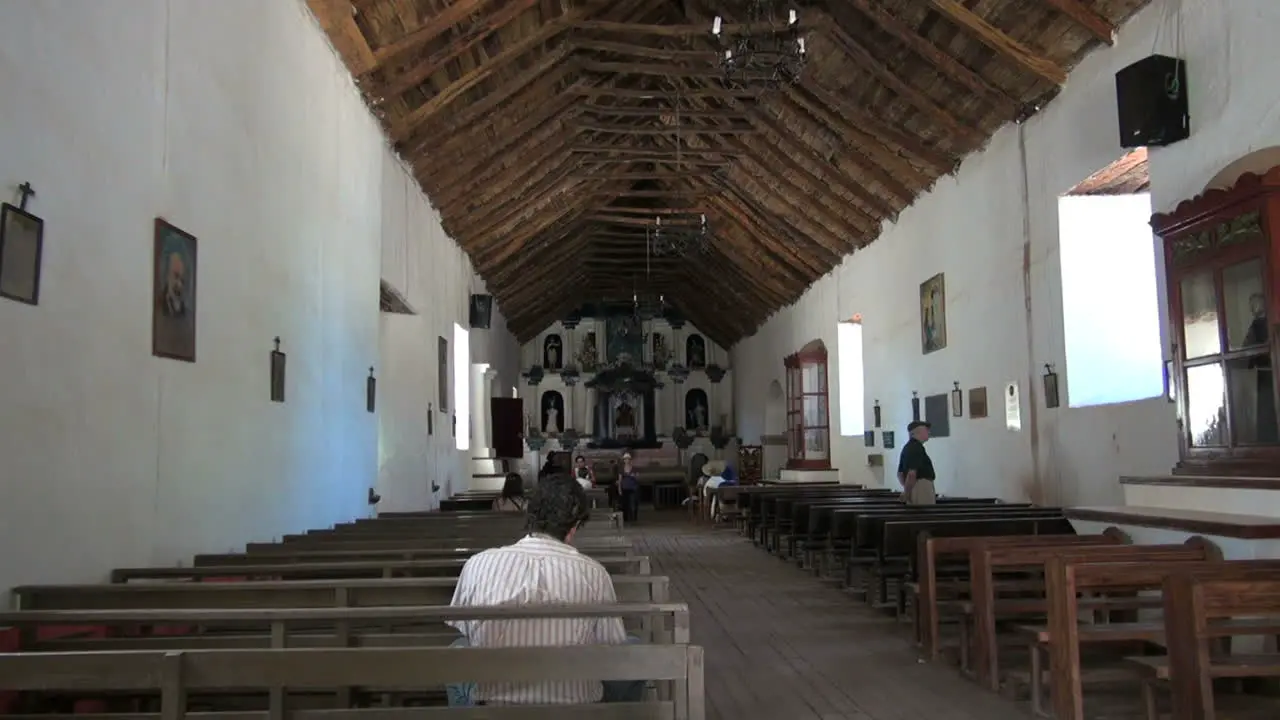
175	673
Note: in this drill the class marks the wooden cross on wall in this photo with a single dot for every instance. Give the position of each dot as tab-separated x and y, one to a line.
27	192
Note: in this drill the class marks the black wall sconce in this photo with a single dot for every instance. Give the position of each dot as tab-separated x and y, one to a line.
374	498
957	400
1051	399
277	373
915	407
875	414
371	391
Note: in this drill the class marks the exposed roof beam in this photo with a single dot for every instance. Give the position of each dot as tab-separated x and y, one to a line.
997	40
1087	18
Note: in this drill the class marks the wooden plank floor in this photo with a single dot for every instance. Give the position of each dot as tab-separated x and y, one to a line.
783	646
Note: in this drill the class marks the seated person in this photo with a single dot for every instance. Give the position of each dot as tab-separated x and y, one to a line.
541	569
512	498
584	473
719	473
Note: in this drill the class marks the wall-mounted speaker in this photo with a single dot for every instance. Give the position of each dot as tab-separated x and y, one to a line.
1151	96
481	311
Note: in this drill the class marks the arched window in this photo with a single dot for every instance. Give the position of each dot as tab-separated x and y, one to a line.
808	425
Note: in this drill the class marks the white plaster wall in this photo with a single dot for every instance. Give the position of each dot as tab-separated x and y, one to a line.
973	227
437	280
234	120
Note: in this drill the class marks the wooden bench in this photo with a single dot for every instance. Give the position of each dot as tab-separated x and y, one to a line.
1199	607
409	625
1061	639
385	568
933	550
417	543
282	554
176	675
985	560
299	593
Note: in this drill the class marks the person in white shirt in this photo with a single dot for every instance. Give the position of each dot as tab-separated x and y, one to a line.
542	568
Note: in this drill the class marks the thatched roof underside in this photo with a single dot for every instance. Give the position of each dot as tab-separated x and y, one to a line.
544	133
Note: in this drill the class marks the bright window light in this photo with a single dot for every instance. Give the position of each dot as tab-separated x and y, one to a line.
1110	311
462	387
850	373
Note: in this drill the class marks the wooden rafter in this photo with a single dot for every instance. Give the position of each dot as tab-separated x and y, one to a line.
997	40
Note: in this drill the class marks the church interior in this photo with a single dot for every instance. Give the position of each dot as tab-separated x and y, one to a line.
755	256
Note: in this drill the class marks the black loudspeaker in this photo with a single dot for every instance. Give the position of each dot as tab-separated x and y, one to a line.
481	311
1151	96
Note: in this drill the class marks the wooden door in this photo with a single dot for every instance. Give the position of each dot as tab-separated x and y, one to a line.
508	417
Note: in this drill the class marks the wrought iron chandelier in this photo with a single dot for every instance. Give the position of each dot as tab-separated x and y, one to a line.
766	54
679	239
685	235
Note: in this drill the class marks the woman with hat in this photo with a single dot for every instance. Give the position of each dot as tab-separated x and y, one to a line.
629	487
915	469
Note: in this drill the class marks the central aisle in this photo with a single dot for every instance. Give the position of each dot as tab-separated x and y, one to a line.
780	645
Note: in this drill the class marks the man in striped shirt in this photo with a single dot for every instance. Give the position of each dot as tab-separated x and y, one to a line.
541	569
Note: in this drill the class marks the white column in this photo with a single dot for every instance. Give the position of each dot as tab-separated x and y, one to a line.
489	376
479	411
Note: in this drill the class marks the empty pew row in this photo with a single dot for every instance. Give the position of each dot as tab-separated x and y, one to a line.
317	602
177	676
998	573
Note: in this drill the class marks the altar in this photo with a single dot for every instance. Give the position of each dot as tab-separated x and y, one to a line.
624	419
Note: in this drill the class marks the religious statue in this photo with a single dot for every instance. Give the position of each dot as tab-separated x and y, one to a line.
695	348
695	409
589	355
551	418
552	358
625	416
661	355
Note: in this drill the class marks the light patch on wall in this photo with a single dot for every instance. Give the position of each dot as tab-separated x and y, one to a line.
851	373
515	391
1110	309
461	388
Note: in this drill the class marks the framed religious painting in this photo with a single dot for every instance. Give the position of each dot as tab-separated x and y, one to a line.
173	273
933	314
21	249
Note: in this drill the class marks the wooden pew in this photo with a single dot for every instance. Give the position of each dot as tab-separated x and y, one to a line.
286	554
1197	609
409	625
299	593
374	568
985	560
418	543
1063	636
934	546
176	675
898	560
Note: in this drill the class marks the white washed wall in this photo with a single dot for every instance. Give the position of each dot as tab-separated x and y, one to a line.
234	120
972	228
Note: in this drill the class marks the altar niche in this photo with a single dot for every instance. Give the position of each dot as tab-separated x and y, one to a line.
553	352
697	411
552	412
1220	251
624	420
695	352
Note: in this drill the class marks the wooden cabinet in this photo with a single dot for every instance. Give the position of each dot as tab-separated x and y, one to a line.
750	464
808	428
1221	252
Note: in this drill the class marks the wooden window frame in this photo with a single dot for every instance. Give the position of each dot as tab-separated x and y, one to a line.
812	355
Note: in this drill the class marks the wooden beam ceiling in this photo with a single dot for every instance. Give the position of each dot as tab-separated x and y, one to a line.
550	135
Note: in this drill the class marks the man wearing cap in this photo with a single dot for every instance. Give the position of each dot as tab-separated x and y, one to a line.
915	469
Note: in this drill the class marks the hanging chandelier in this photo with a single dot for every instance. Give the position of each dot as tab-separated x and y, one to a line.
682	239
683	236
767	54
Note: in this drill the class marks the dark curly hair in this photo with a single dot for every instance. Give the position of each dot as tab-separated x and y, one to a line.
557	506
